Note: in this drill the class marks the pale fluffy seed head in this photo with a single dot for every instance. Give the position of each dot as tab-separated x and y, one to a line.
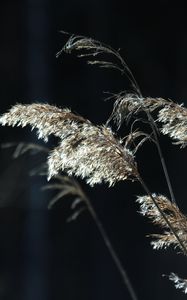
126	105
177	220
174	119
47	119
179	282
92	153
89	151
171	115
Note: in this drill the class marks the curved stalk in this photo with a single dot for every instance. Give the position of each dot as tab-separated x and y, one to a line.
152	123
113	254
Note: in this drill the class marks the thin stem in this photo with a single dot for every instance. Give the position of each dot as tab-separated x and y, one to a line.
134	83
113	254
152	123
161	157
162	214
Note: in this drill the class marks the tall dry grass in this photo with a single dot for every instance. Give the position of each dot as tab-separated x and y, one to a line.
98	155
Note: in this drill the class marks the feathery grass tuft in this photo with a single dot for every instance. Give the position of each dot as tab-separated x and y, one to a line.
179	282
174	119
175	217
95	154
85	150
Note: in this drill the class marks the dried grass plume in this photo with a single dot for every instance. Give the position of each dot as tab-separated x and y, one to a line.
177	220
85	150
179	282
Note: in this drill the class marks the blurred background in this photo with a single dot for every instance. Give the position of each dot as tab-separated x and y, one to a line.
41	255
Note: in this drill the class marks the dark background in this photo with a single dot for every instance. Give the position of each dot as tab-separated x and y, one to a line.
41	255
